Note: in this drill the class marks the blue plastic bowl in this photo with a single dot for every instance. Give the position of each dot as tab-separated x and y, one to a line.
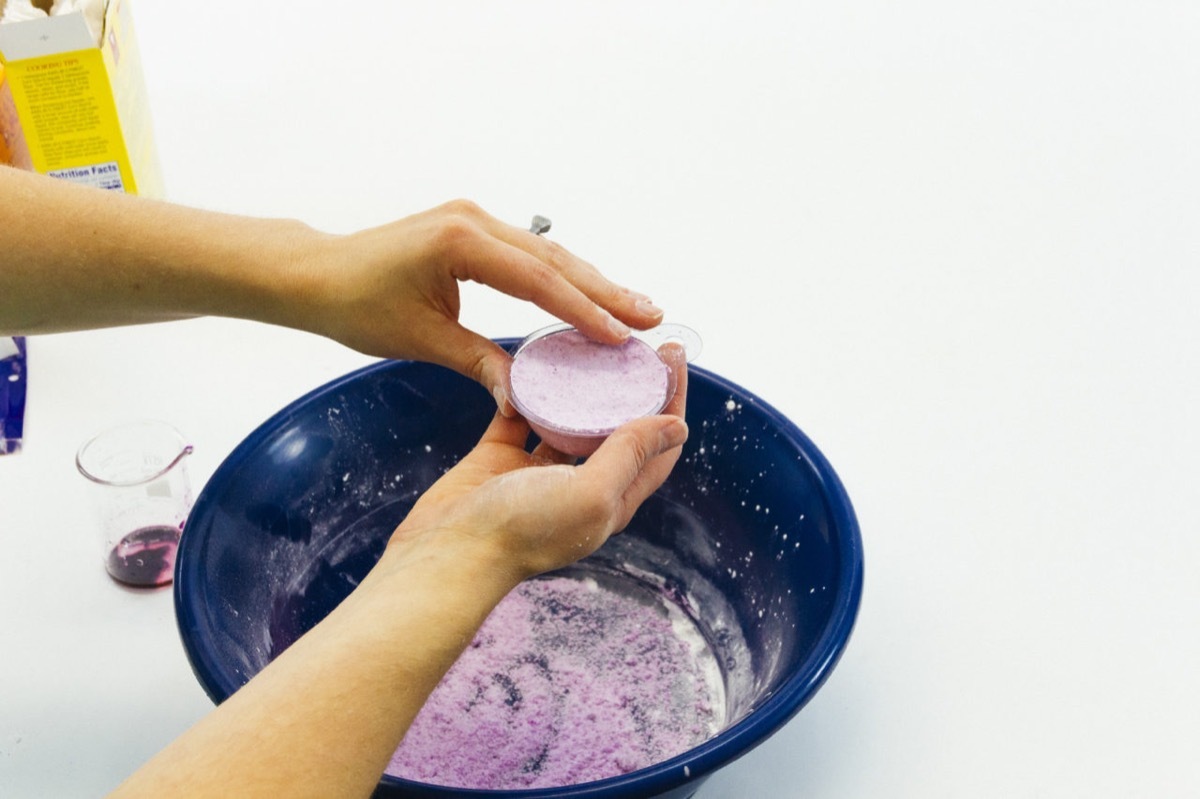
753	528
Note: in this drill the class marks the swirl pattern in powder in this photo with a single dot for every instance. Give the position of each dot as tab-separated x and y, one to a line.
566	682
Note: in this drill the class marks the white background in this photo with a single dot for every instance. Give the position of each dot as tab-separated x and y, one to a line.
957	243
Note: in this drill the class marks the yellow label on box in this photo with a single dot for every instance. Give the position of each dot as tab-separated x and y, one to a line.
70	119
80	99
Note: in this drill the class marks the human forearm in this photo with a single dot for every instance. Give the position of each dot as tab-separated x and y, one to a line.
324	717
75	258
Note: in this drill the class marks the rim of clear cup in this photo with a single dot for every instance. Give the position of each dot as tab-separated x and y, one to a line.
81	454
600	432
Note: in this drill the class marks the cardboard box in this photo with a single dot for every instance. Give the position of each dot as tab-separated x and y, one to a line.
12	140
81	102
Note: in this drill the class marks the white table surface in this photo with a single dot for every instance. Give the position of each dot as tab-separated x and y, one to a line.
957	243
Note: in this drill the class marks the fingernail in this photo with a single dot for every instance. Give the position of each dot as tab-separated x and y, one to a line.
674	354
618	327
674	434
648	308
502	403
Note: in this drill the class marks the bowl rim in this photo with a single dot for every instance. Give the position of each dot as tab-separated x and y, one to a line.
691	766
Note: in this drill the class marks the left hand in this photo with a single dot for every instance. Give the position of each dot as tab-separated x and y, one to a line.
535	512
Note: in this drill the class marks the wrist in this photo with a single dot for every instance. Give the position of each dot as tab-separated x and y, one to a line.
469	566
273	278
202	263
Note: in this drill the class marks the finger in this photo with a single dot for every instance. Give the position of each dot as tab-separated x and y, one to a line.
650	478
512	431
626	454
630	307
474	356
675	357
515	272
658	469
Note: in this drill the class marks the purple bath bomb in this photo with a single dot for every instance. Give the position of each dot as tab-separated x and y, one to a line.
574	391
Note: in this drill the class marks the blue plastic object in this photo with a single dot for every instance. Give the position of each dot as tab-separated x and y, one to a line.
12	395
753	530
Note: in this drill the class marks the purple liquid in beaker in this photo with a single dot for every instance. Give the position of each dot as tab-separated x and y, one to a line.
145	557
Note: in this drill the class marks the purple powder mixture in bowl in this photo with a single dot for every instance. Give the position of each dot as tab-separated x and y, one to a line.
569	680
692	636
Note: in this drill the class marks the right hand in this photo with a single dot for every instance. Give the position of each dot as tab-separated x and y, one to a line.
392	290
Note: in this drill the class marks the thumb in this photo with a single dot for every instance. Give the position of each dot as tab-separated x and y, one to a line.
476	357
628	460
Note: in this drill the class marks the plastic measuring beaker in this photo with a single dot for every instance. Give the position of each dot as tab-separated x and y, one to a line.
141	495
